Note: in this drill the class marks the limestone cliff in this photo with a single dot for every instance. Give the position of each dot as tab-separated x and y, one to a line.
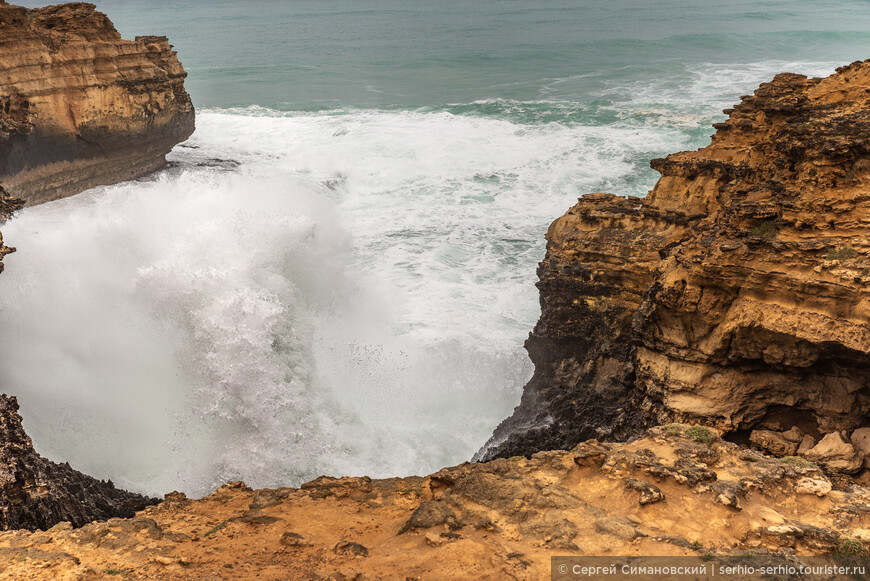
81	107
680	491
37	494
736	294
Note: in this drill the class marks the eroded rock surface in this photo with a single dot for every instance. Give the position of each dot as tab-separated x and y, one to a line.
678	491
8	205
81	107
36	493
736	294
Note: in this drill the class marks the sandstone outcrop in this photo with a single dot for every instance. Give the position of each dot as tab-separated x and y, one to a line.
837	454
679	491
81	107
36	493
736	294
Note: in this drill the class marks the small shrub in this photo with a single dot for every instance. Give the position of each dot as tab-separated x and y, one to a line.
215	529
851	548
673	430
841	253
765	230
696	546
701	434
799	462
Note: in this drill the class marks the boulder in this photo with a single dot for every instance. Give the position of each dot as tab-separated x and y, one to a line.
861	440
806	445
836	454
773	442
793	435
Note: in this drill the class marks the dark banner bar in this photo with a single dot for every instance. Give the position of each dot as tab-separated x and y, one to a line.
737	568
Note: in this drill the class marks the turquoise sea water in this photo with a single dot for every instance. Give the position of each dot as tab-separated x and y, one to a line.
312	54
337	272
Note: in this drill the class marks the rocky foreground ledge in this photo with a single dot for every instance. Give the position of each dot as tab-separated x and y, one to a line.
80	106
737	294
680	490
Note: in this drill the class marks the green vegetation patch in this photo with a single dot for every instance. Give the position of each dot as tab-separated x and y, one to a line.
841	253
765	230
701	434
698	434
215	529
851	548
418	492
674	430
799	462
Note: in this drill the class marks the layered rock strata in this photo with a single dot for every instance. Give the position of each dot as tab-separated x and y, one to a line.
36	493
679	491
737	293
81	107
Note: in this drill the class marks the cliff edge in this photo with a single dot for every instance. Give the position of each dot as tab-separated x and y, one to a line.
736	294
36	493
80	106
680	491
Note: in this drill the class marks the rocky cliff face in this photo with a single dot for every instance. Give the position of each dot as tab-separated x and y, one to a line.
37	494
679	491
736	294
81	107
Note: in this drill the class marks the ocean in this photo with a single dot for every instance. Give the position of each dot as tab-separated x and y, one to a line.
336	273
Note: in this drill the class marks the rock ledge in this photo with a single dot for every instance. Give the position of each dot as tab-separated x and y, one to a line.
81	107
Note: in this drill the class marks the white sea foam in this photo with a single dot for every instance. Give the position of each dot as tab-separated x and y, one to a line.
700	91
348	296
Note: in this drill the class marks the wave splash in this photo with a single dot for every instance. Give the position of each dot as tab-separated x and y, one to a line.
343	292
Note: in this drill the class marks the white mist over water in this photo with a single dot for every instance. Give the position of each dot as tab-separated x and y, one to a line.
344	292
350	297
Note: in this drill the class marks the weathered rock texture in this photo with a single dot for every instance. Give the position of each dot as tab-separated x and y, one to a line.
8	205
736	294
79	106
678	491
36	493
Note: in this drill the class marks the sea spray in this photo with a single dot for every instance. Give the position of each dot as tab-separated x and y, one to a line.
343	292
